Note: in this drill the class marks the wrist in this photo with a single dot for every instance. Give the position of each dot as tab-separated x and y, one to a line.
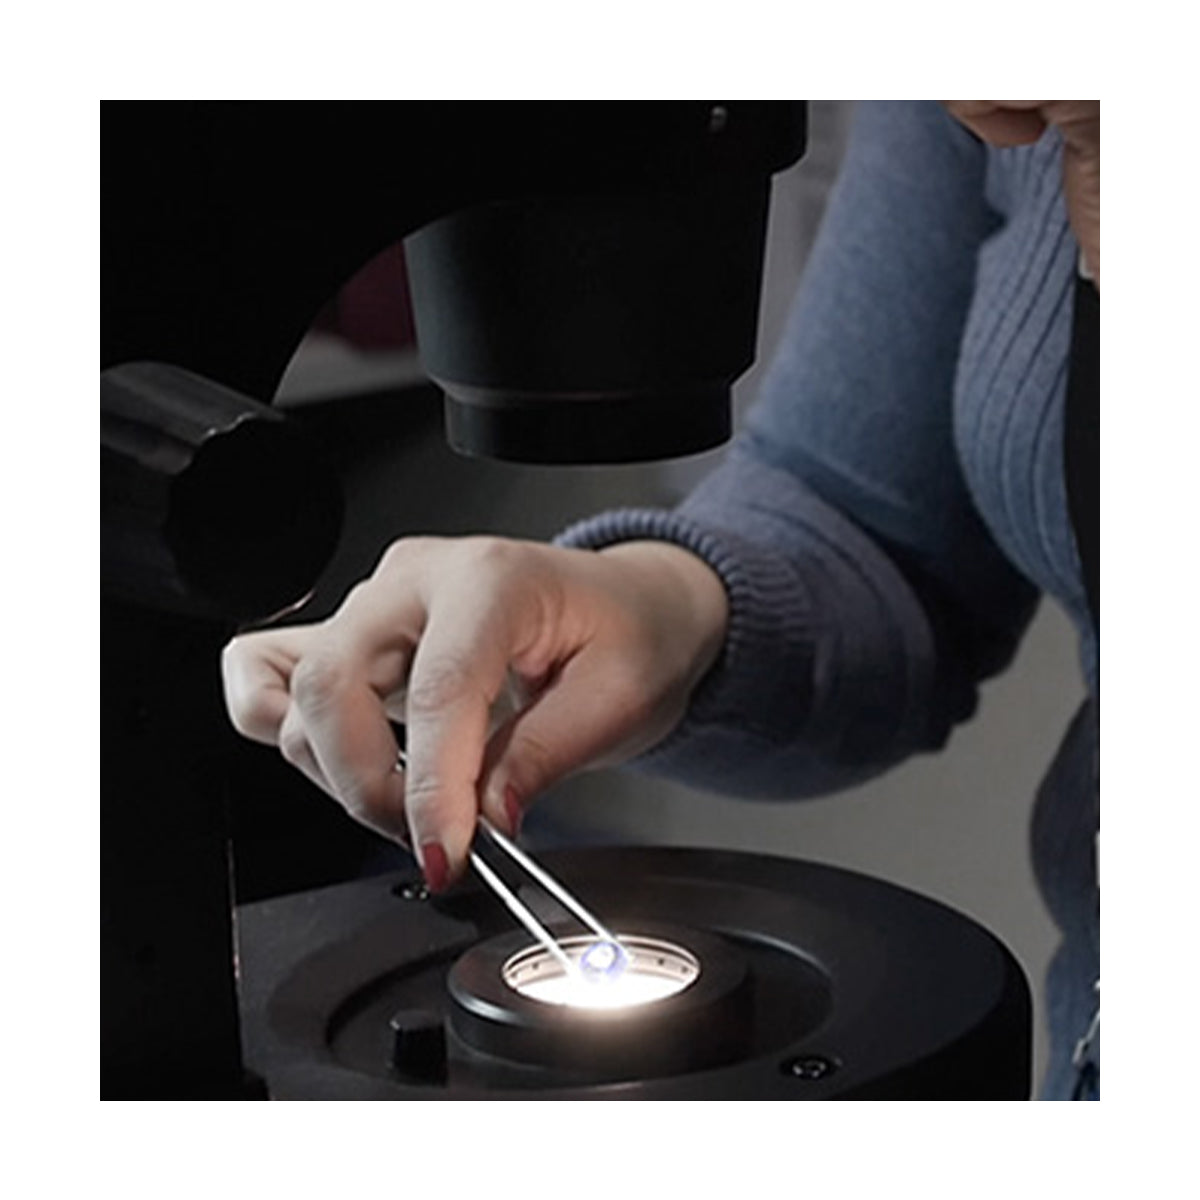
685	591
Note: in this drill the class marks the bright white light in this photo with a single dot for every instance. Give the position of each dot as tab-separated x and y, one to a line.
625	992
650	970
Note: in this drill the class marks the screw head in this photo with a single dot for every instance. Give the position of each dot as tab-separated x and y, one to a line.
415	890
809	1067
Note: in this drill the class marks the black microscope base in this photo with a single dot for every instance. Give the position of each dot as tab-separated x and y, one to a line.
857	989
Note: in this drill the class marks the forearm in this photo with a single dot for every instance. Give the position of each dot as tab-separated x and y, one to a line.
827	673
866	598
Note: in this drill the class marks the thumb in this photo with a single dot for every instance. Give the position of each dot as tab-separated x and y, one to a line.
597	712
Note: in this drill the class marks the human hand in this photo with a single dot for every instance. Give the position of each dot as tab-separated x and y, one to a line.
606	648
1021	122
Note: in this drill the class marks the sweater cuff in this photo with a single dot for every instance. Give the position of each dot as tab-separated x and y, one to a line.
768	621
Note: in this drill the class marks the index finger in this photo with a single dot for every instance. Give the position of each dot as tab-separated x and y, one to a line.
342	689
459	671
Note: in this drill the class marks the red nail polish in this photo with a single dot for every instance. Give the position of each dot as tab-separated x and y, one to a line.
433	863
513	810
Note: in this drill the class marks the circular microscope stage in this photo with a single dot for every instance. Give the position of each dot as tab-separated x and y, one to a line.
749	978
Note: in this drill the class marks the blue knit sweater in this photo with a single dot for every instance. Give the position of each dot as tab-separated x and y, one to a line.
895	504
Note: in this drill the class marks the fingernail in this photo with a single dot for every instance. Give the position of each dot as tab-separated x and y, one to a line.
513	810
433	864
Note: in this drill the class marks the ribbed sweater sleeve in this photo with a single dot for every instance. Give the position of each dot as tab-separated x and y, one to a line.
867	600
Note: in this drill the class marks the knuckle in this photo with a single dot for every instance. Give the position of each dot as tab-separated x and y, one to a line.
252	709
235	659
491	550
293	746
355	596
402	555
422	794
438	682
232	654
249	717
316	682
494	560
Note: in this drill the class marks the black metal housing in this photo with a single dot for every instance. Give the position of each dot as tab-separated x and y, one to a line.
592	328
227	226
705	1025
212	504
850	988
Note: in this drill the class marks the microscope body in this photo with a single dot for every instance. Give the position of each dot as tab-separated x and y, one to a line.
585	282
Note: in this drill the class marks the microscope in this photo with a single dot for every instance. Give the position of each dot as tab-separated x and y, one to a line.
585	284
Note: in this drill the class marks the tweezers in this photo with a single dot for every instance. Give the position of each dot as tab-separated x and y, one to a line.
540	875
522	911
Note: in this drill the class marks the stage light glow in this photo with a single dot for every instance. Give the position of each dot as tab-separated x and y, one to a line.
627	974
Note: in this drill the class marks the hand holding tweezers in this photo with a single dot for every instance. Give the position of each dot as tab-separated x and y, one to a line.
540	875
